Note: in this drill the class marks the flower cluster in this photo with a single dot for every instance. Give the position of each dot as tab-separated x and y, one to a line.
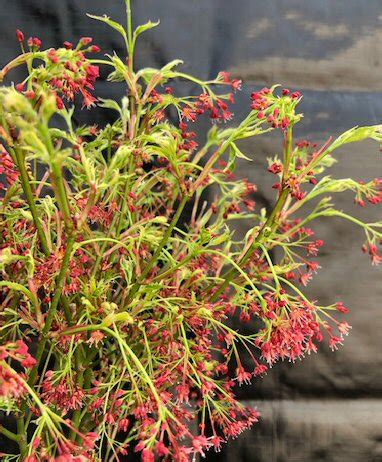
267	106
7	168
66	71
121	280
11	384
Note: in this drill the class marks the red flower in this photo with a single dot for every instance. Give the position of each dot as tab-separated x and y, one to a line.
236	84
20	35
260	369
34	42
343	328
162	449
200	444
243	376
225	76
189	114
7	167
275	168
334	342
148	455
341	308
85	41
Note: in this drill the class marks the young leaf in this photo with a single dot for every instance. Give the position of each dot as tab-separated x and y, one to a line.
356	134
144	27
115	25
109	104
171	65
239	153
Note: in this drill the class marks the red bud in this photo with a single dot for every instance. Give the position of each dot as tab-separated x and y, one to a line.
20	35
86	41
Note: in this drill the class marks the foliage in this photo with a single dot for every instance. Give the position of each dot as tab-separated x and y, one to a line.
117	306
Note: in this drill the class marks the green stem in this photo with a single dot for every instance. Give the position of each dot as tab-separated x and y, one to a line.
21	437
12	436
33	209
288	153
76	419
57	179
22	59
159	249
30	199
59	284
61	278
129	21
171	270
268	227
15	286
61	196
338	213
60	192
130	34
123	346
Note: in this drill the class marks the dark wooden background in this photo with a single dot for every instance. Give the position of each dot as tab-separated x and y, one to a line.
329	406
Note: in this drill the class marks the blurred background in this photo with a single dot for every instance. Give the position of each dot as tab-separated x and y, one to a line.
329	406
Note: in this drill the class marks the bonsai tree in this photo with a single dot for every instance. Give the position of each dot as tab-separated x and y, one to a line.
116	305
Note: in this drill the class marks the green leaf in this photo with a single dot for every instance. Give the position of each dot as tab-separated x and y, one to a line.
115	25
239	153
20	288
144	27
120	159
35	146
205	236
109	104
7	258
8	405
171	65
120	72
218	240
166	72
128	269
113	318
213	135
357	134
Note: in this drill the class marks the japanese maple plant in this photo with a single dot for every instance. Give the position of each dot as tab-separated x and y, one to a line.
120	272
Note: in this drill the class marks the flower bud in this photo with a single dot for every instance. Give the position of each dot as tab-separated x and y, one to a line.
20	35
86	41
